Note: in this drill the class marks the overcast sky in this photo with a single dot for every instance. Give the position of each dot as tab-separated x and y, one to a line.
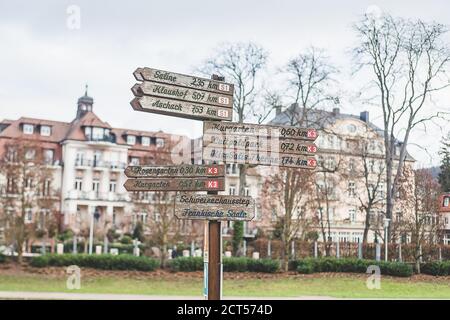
44	64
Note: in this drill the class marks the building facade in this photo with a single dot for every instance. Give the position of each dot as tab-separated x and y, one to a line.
88	157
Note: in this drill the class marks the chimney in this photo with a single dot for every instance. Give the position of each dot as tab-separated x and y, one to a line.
335	111
364	116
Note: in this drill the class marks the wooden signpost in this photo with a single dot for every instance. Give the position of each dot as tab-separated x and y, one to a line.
184	96
211	100
214	207
175	178
262	144
259	144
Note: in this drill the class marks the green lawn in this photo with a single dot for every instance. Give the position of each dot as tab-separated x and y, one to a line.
340	287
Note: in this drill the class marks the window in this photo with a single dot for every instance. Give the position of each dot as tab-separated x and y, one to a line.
30	154
351	189
330	141
159	142
134	161
351	128
131	140
28	128
329	163
78	184
232	190
446	202
48	156
28	215
381	191
372	166
95	185
98	133
11	186
145	141
88	132
112	186
46	131
351	165
28	183
247	191
157	217
11	154
46	187
97	158
352	215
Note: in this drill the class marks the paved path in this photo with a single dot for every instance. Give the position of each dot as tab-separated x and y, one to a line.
21	295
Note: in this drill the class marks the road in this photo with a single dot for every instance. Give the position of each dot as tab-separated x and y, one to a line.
23	295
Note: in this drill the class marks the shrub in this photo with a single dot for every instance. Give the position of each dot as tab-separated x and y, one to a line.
263	265
311	265
234	264
436	268
126	240
187	264
104	262
2	258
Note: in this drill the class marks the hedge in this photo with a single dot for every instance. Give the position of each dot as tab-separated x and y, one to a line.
234	264
312	265
103	261
436	268
187	264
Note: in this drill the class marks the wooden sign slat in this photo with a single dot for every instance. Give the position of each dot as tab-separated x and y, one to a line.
188	170
214	207
183	80
181	109
176	184
233	128
183	94
262	144
258	158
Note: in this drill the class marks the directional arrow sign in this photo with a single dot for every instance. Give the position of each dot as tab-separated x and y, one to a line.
183	94
258	158
232	128
181	109
261	144
214	207
214	170
176	184
155	75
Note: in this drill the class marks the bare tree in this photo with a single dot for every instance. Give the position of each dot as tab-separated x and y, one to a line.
423	225
408	60
242	64
310	77
27	190
369	169
292	188
328	175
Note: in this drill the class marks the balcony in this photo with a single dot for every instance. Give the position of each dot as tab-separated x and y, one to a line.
83	163
117	166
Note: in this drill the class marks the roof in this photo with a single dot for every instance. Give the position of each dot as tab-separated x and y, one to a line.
14	130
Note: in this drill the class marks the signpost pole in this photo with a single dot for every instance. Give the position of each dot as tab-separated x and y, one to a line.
215	249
